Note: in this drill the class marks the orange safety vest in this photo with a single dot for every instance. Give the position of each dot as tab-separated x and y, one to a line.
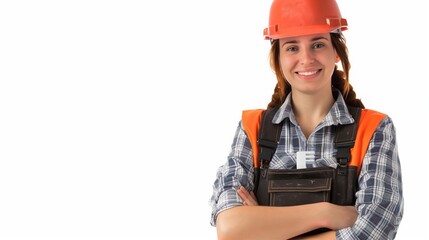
369	120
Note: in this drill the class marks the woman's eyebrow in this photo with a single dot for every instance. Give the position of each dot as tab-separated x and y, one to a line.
313	40
289	42
318	38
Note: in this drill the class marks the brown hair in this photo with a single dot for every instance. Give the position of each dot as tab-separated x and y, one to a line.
339	80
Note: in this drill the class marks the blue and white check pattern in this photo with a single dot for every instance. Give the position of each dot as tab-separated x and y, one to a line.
379	198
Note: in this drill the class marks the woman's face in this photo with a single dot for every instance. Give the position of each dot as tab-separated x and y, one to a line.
308	62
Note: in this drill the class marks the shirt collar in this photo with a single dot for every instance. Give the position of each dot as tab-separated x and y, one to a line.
338	114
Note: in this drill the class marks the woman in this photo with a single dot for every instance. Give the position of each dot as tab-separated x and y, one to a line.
312	96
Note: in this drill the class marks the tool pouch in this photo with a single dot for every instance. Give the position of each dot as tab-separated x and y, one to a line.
289	187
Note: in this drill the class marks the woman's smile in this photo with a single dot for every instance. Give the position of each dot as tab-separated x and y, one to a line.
308	74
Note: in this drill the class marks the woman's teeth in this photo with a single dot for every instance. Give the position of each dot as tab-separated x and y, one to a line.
307	73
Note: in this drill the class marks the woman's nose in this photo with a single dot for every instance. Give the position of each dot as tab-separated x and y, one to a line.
306	56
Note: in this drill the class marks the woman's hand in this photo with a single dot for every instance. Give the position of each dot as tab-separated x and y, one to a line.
249	199
333	216
340	216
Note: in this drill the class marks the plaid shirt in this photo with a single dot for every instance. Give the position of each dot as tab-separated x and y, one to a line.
379	197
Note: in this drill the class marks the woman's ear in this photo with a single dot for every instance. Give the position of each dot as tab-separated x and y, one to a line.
337	59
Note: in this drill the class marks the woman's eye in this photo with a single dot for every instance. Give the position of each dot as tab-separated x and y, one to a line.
291	49
318	45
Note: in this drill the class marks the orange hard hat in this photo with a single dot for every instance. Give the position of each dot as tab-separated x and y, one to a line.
290	18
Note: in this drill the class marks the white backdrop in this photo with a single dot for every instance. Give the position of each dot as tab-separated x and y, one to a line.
115	115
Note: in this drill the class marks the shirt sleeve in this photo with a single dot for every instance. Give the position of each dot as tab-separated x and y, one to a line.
236	172
379	200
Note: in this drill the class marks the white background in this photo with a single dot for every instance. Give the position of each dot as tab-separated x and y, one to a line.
114	115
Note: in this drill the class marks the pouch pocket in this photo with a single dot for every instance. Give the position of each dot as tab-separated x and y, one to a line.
299	186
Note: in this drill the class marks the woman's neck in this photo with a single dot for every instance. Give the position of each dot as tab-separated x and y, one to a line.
310	110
